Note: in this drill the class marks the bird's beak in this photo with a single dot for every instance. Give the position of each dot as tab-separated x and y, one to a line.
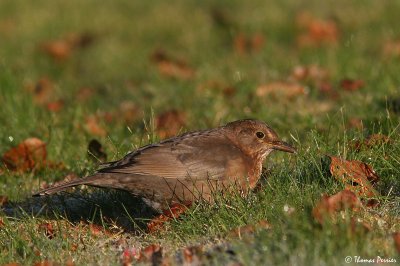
283	146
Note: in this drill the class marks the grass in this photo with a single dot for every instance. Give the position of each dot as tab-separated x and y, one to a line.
118	68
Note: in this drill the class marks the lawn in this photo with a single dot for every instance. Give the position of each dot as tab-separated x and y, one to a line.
323	74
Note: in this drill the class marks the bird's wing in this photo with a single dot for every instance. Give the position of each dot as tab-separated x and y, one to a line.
201	156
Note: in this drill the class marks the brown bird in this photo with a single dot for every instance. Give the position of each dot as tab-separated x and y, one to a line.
190	166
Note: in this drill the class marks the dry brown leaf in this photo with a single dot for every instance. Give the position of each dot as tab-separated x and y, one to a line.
93	127
351	84
3	200
248	44
191	255
355	122
396	239
249	229
46	263
357	176
150	253
43	91
329	205
12	264
173	68
173	212
1	222
55	106
215	86
315	32
28	155
58	49
169	123
371	141
312	73
84	94
47	229
392	48
62	49
281	89
129	112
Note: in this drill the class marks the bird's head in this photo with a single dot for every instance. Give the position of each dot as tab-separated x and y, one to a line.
256	138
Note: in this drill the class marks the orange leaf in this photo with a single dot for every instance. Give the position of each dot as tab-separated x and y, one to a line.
170	123
329	205
249	229
150	253
281	89
92	126
355	175
316	32
29	154
3	200
42	91
173	212
396	238
351	85
55	106
58	49
48	230
172	67
248	44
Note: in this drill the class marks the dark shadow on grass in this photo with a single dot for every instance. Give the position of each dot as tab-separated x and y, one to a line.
100	206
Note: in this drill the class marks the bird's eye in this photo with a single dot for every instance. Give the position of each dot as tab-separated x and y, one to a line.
260	135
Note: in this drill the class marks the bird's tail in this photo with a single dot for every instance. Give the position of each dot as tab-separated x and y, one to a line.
80	181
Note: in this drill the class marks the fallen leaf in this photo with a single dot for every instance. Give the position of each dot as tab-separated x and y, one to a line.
312	73
3	200
151	253
59	50
84	94
356	225
392	48
355	122
96	229
191	255
55	106
357	176
43	91
129	112
93	127
329	205
396	239
214	86
173	212
280	90
173	68
12	264
316	32
249	229
62	49
28	155
248	44
371	141
169	123
1	222
96	152
48	230
46	263
351	85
